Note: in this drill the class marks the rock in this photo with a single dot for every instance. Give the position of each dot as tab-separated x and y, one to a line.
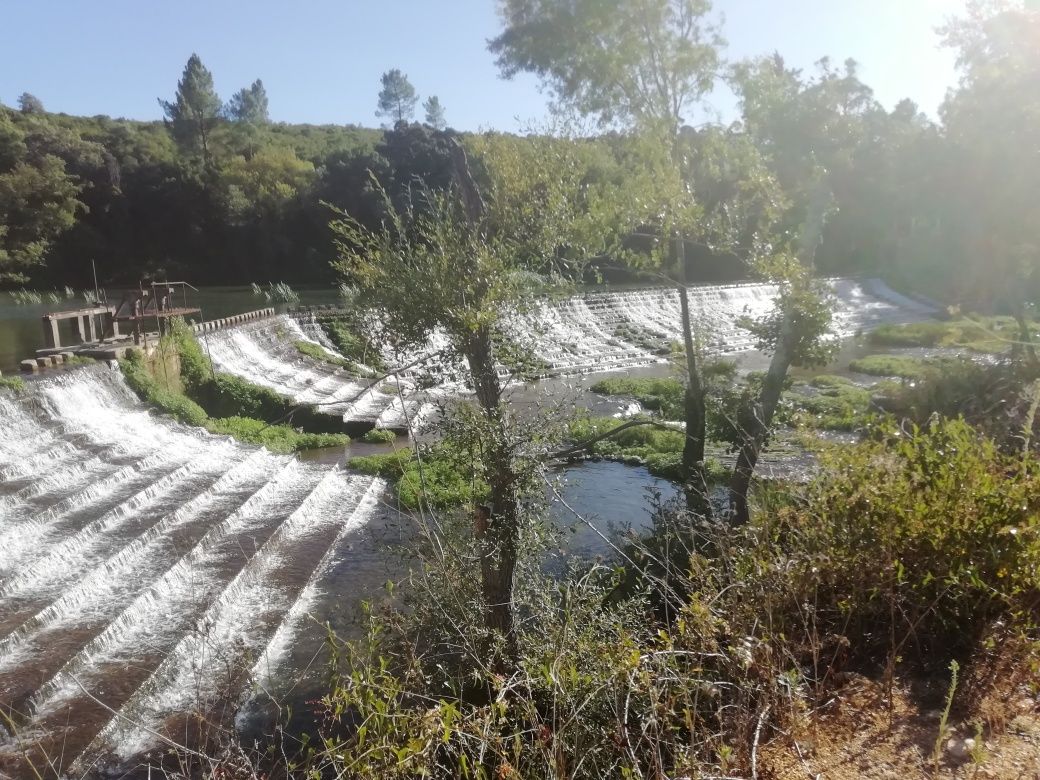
960	748
29	366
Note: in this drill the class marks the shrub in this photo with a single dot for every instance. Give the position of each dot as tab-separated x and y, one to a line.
657	395
891	365
379	436
443	479
15	383
321	354
277	438
147	388
907	547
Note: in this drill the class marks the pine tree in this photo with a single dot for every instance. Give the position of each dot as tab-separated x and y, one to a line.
249	105
30	104
195	110
397	98
434	113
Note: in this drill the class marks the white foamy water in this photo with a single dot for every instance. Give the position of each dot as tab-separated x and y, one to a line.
598	331
126	537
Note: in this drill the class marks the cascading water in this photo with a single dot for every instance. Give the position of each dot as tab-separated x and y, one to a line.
139	554
598	331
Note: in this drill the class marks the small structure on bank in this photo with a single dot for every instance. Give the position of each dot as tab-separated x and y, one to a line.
144	312
158	301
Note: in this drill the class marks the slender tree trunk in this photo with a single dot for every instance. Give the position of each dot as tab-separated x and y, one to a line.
693	399
1025	338
498	557
754	428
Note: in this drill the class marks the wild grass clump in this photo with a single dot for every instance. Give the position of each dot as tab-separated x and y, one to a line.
902	366
15	383
141	381
664	396
379	436
438	477
349	342
277	438
319	353
829	403
979	334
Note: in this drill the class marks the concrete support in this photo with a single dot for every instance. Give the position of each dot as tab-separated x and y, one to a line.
29	366
91	331
81	332
51	335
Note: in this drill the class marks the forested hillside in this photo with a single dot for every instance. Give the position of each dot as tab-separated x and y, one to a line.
217	193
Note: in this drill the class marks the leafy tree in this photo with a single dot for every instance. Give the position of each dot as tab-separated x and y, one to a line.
643	64
397	98
30	104
38	202
472	255
195	111
249	105
434	113
993	128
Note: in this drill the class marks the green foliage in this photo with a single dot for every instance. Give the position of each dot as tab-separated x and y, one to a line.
238	408
145	385
657	395
982	334
277	438
15	383
347	340
439	477
901	366
830	403
928	538
318	352
379	436
397	98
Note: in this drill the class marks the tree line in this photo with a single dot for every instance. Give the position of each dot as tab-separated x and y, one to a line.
217	193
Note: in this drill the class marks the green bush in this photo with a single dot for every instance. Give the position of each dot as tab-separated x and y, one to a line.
15	383
379	436
321	354
277	438
901	366
913	545
657	395
449	480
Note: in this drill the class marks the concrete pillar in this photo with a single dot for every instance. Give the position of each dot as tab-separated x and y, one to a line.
91	330
50	333
81	334
115	327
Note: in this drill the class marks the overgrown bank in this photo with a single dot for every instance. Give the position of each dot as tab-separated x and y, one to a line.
224	404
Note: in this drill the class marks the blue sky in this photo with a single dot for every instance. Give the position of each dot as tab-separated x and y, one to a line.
321	59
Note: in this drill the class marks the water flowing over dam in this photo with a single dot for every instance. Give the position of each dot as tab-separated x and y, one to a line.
147	568
599	331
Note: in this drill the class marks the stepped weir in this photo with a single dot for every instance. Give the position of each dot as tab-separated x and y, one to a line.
151	570
143	559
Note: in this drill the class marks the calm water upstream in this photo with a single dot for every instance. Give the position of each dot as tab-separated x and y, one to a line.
21	332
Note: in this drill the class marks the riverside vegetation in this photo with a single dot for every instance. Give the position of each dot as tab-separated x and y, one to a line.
736	632
223	403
